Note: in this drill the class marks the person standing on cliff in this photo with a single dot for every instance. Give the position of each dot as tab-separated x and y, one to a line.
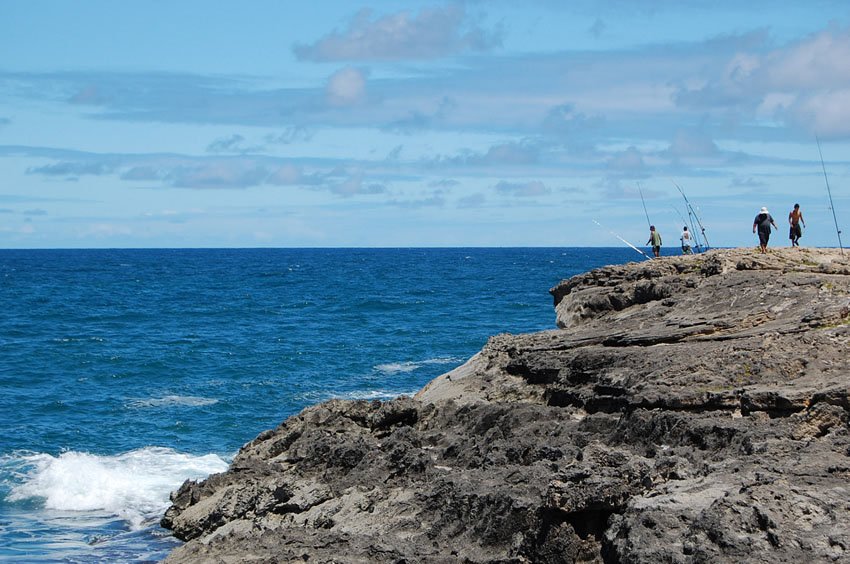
685	237
655	241
762	223
795	218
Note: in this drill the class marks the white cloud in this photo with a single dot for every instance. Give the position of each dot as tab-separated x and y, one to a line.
692	143
293	175
434	32
805	84
354	184
630	161
820	61
825	113
286	175
346	87
476	200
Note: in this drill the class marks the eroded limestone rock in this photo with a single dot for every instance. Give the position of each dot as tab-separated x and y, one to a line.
688	409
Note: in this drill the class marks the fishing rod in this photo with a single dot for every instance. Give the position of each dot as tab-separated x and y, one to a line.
828	191
648	223
693	214
693	232
621	239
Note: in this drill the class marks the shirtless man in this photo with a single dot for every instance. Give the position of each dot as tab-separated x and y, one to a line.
795	218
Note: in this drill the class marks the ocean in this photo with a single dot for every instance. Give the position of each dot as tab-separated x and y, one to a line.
125	372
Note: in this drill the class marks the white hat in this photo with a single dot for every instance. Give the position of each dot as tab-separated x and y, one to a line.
764	210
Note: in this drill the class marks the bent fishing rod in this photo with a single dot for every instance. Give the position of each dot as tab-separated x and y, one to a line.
828	191
621	239
692	213
694	234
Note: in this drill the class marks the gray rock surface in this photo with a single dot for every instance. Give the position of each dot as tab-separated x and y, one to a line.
687	409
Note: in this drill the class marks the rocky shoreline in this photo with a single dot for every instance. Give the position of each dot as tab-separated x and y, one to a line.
686	409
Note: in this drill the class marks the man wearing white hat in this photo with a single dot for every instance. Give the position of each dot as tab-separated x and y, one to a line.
762	222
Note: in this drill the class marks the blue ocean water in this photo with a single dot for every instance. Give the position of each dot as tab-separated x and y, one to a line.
125	372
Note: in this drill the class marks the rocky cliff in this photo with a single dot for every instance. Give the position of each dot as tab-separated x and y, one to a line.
686	409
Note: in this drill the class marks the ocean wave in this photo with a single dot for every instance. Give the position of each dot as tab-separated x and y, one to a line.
134	486
168	401
391	368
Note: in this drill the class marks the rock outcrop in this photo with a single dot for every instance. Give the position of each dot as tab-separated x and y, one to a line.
687	409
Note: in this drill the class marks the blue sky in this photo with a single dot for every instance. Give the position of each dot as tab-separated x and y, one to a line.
382	124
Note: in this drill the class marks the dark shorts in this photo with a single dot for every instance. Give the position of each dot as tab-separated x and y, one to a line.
764	236
796	232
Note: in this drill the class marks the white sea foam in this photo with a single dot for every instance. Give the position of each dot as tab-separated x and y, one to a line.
168	401
315	397
134	486
372	395
391	368
397	367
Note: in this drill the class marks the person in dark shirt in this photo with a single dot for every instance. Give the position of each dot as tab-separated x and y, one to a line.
762	223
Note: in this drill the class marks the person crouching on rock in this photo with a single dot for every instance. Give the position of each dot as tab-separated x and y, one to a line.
654	240
762	223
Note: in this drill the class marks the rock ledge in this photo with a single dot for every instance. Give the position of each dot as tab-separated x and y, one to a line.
687	409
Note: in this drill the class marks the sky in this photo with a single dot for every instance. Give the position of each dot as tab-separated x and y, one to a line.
341	123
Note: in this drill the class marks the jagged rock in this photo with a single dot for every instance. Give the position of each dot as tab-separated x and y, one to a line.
688	409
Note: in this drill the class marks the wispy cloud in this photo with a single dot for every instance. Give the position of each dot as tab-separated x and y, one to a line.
748	182
143	173
218	175
523	189
576	97
502	154
431	33
72	169
22	199
292	134
476	200
434	199
233	144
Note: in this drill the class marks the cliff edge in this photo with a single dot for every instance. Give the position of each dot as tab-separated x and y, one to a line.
686	409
